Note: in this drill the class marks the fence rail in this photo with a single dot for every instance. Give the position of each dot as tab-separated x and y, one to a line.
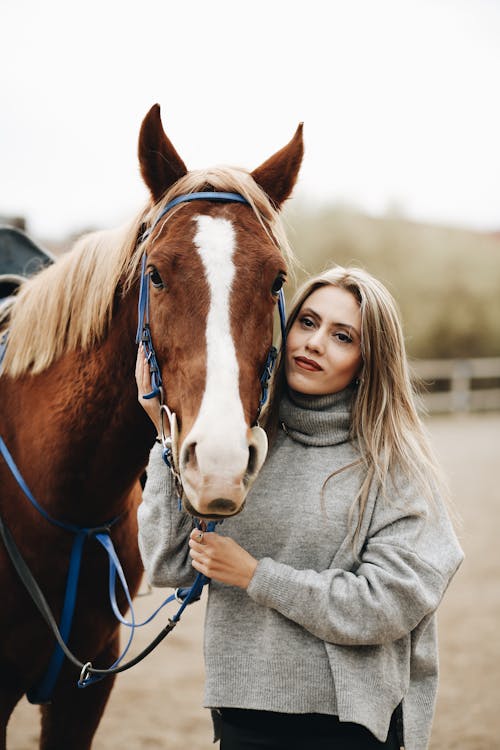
459	385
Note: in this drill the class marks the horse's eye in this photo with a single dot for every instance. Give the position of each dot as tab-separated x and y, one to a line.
156	279
277	284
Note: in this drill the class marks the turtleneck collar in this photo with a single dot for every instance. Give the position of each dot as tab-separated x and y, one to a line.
317	420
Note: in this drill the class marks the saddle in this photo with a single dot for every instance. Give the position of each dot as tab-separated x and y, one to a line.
20	258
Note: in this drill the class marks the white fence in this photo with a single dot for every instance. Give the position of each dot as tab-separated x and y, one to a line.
459	385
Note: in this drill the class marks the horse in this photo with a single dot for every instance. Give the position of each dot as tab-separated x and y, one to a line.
69	413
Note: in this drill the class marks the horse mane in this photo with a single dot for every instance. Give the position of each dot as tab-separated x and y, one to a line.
69	305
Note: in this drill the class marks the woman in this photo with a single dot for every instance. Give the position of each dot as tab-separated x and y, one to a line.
320	627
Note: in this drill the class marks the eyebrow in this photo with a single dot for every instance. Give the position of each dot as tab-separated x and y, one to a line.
314	314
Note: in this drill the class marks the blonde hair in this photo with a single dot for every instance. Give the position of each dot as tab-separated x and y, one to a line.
70	304
385	420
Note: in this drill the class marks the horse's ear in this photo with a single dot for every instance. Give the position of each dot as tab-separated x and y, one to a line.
161	165
278	174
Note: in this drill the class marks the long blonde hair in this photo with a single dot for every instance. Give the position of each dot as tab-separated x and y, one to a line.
385	422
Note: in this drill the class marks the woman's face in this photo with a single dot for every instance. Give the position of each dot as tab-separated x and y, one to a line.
323	348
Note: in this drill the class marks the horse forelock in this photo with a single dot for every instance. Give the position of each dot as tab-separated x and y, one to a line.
228	179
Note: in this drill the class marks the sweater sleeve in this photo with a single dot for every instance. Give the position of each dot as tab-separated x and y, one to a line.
163	528
404	569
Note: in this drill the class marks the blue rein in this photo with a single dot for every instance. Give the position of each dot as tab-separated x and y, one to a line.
42	692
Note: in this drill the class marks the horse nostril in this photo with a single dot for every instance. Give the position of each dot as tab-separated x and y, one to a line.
252	458
222	506
251	466
189	456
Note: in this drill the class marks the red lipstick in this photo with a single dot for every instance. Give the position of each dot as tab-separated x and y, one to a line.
307	364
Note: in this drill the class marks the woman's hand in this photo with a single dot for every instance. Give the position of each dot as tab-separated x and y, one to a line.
143	379
221	558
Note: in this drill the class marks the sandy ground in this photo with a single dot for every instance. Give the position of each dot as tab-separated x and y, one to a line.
158	703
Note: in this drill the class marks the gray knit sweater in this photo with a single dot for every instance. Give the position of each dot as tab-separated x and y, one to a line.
324	627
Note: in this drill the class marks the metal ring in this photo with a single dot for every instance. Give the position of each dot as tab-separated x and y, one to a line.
84	674
166	439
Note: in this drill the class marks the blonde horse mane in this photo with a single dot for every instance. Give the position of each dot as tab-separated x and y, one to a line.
69	305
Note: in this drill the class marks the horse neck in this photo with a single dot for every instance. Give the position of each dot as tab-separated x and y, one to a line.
92	437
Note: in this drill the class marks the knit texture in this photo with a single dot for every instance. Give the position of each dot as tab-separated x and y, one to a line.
325	626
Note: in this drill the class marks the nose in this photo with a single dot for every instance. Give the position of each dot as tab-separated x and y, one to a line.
315	341
217	472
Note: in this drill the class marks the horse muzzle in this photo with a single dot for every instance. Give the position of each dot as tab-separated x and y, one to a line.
217	474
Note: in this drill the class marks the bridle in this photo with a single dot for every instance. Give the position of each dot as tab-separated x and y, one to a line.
143	335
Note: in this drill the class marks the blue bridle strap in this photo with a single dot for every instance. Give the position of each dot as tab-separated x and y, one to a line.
3	346
143	334
282	312
212	195
273	354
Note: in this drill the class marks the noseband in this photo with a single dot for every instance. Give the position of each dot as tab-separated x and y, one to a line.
143	334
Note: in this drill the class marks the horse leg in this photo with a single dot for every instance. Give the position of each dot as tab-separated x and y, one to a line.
72	718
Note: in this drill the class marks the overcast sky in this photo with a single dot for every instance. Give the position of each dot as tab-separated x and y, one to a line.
400	100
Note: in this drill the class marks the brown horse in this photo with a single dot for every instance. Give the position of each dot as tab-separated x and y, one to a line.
68	406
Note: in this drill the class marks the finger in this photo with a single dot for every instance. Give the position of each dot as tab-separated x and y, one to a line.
142	374
199	566
198	547
202	538
138	364
141	366
194	553
198	561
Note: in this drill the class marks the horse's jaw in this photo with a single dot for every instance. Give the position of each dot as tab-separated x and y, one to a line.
216	478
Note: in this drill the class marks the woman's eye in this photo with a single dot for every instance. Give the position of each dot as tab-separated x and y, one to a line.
277	284
156	279
343	337
307	322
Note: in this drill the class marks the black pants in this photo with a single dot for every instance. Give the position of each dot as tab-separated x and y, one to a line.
265	730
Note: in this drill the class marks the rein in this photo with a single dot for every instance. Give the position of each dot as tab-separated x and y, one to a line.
42	692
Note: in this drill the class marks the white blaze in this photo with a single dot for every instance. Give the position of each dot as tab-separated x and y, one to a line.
220	430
